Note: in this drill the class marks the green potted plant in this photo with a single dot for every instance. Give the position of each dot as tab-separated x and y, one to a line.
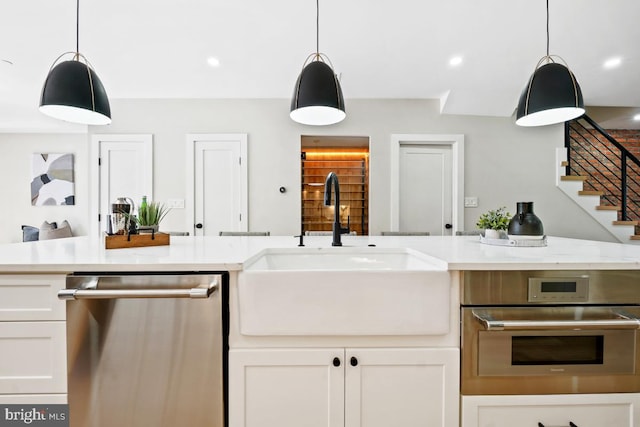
494	221
149	216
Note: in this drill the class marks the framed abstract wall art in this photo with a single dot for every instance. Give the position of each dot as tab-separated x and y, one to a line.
53	180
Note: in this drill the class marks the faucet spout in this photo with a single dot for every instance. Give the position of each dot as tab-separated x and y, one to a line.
332	180
338	230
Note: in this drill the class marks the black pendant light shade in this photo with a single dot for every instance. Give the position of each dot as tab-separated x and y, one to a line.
317	98
552	95
73	92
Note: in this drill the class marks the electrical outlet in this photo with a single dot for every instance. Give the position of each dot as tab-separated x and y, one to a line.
175	203
470	202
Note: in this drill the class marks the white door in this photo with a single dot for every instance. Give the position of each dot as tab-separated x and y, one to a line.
217	180
122	166
427	183
425	189
401	387
286	388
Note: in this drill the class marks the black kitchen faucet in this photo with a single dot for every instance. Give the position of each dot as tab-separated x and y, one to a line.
332	179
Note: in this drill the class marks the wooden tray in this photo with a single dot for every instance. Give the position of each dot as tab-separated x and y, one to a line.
118	241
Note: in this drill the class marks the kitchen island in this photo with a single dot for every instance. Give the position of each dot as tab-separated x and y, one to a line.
339	376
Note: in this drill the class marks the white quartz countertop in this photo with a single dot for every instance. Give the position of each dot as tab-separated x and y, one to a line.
229	253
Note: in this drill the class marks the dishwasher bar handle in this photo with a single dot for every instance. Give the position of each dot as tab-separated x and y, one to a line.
193	293
491	324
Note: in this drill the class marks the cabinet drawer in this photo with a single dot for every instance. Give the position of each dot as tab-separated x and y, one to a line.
31	297
551	410
33	357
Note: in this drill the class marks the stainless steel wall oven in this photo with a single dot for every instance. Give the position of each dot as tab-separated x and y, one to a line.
540	332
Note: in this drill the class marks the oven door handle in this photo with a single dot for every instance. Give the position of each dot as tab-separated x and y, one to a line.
491	324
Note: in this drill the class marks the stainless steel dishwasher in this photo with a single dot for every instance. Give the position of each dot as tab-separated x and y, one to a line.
146	349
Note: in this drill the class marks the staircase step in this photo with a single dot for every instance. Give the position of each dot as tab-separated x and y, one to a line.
590	193
607	208
573	178
635	237
626	223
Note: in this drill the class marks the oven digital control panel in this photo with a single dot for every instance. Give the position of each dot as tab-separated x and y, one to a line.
558	290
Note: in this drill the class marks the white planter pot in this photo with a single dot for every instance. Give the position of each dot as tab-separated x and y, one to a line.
491	234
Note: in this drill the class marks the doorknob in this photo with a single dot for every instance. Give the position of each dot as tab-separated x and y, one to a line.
199	225
448	226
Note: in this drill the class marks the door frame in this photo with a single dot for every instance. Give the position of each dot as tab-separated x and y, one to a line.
456	141
190	172
94	171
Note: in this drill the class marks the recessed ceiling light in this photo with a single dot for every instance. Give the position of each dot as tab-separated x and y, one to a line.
213	62
455	61
612	62
636	117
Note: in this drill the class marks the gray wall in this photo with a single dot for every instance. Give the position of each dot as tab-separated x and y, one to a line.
504	163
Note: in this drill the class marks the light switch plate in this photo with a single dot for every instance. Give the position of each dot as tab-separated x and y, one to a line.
470	202
175	203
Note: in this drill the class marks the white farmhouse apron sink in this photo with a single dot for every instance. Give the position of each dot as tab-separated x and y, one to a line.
343	291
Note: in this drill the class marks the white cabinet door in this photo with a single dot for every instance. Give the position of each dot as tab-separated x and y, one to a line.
352	388
286	388
31	297
591	410
401	387
33	357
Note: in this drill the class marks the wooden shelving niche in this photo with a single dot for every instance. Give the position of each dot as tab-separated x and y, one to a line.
352	167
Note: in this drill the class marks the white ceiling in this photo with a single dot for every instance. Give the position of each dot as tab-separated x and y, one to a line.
381	49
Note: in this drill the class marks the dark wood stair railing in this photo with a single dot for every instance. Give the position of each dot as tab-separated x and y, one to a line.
607	168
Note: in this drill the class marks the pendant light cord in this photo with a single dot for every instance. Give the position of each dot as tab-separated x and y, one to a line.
318	27
547	27
78	26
